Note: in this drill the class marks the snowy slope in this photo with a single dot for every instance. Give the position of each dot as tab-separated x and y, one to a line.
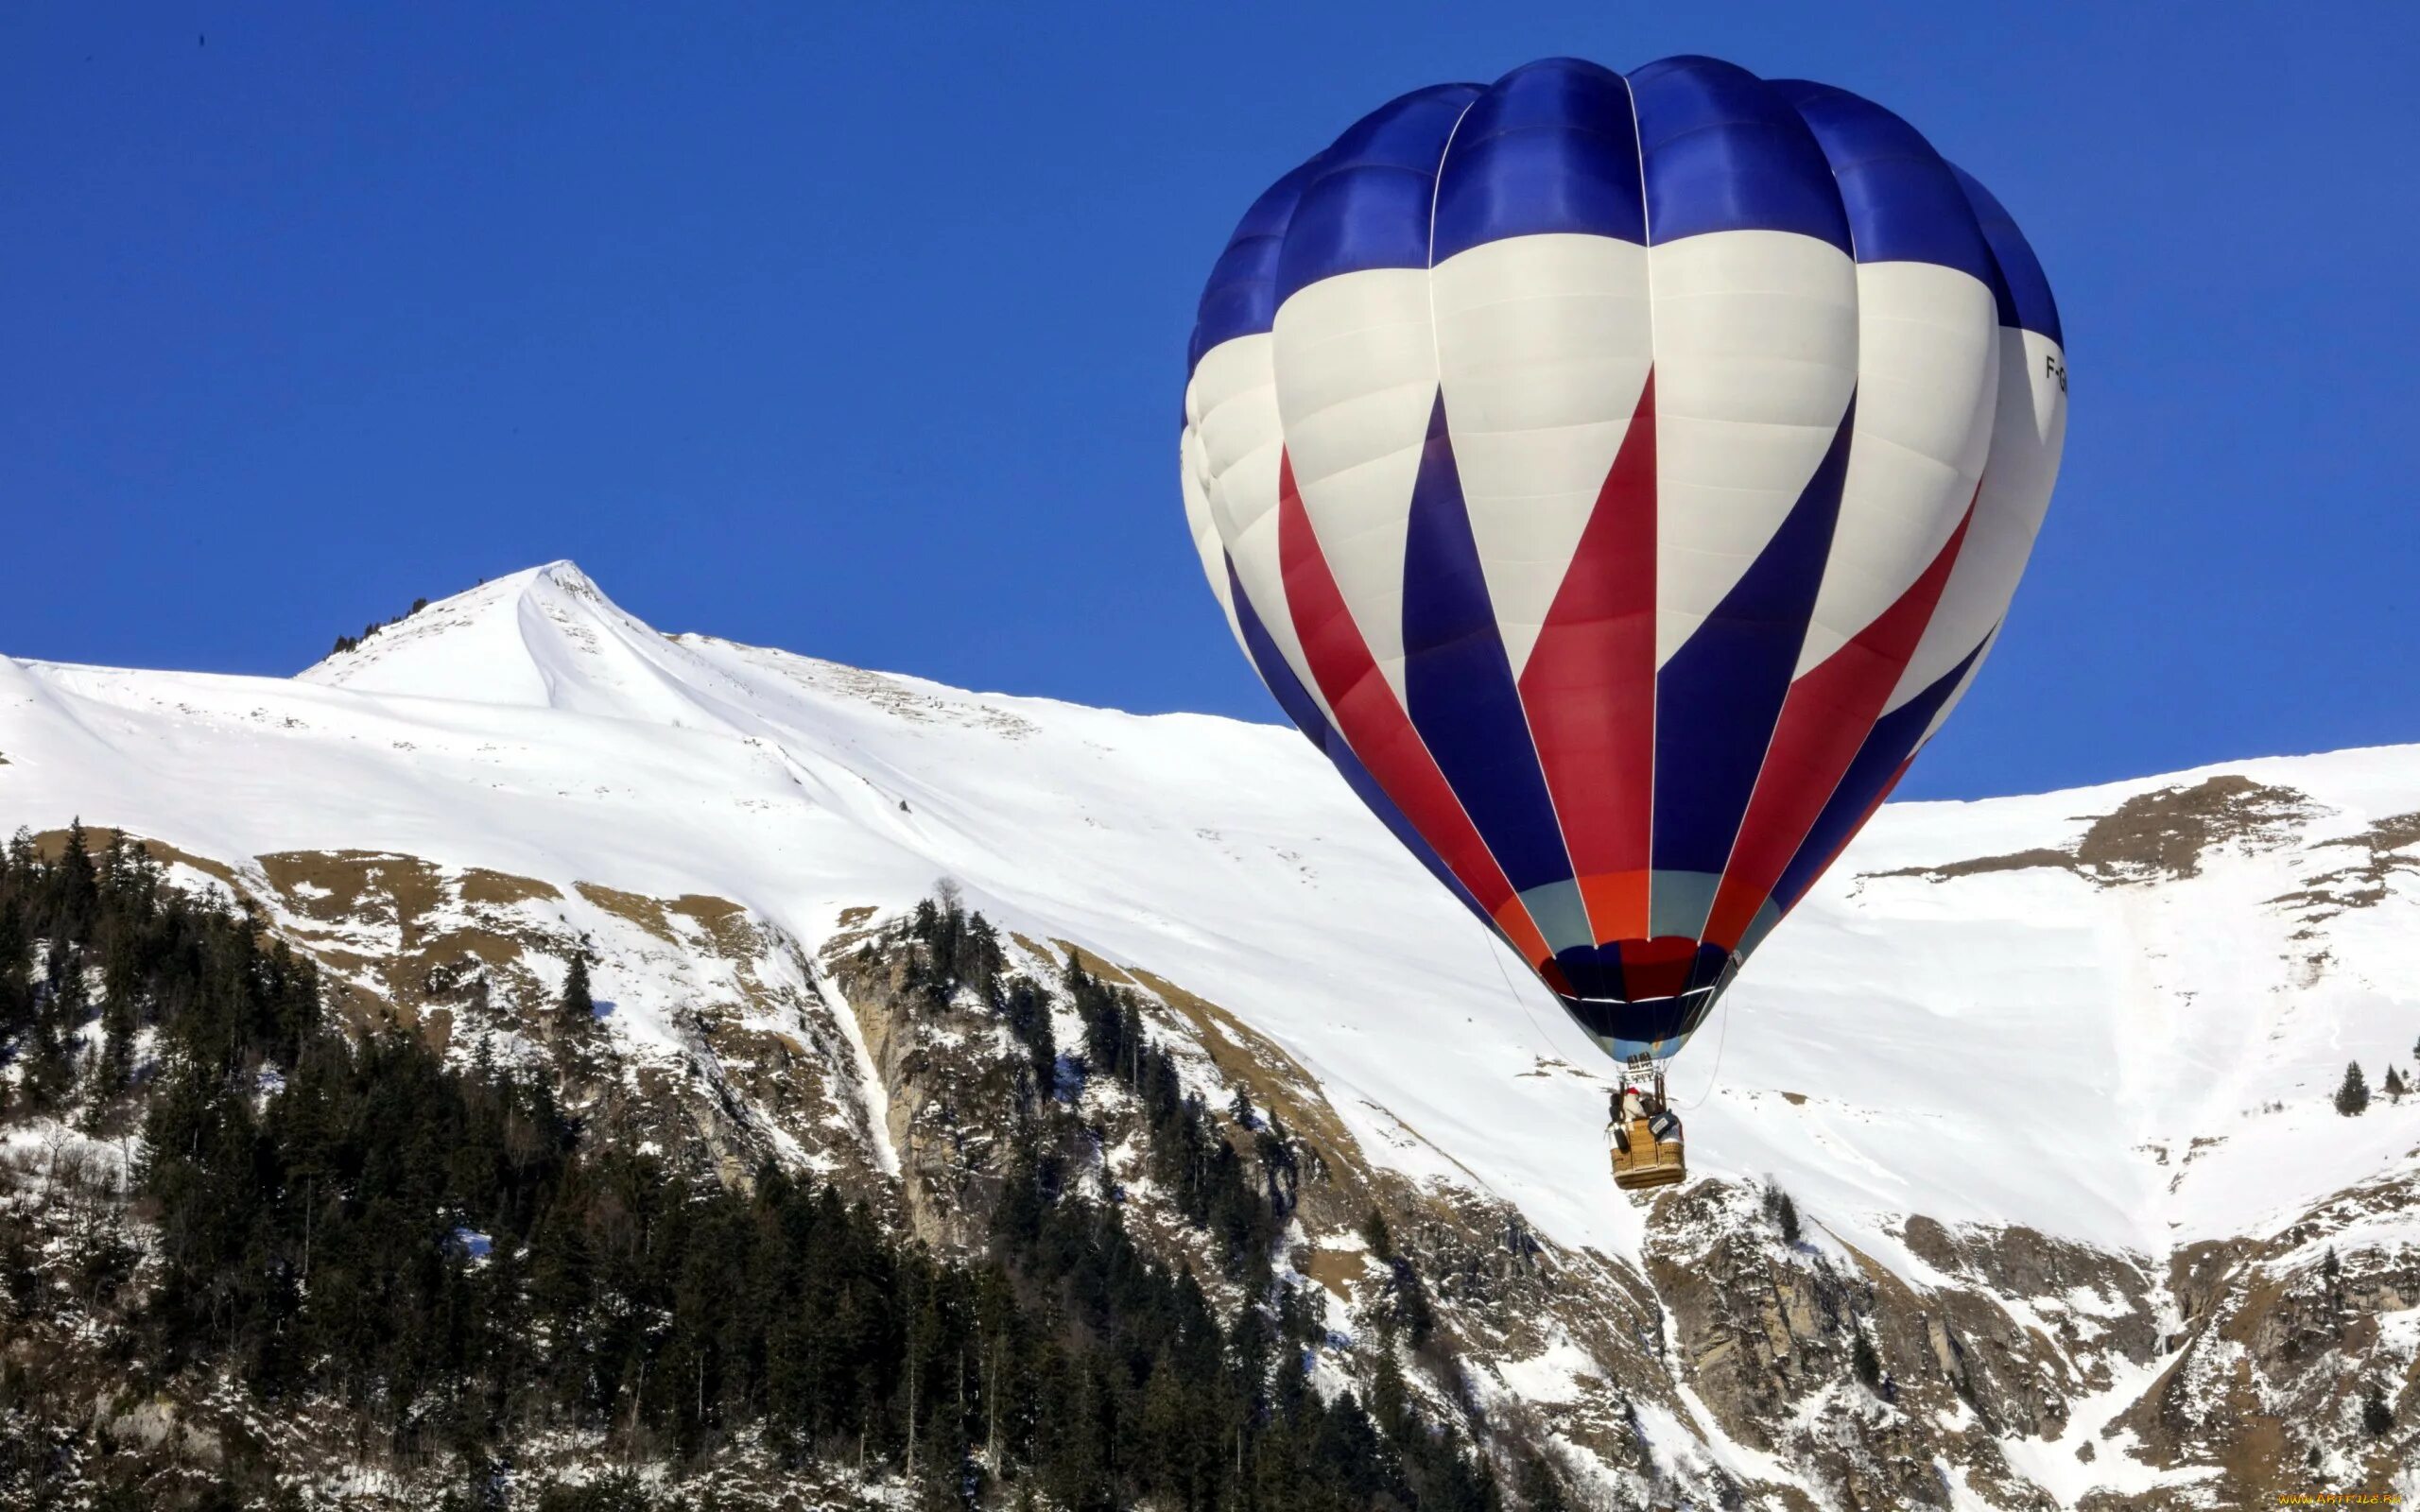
2020	1045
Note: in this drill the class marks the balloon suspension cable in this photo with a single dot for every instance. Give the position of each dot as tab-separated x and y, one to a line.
1712	1080
1515	994
1720	1042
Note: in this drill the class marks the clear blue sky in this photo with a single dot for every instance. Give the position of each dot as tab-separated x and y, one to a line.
860	329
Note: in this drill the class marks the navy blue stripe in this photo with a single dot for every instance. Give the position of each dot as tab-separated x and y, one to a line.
1671	1018
1724	151
2025	289
1549	147
1368	203
1593	970
1458	680
1904	203
1704	972
1645	1020
1302	709
1887	745
1240	299
1271	662
1718	698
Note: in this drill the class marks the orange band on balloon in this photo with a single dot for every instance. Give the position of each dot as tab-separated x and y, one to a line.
1617	904
1511	918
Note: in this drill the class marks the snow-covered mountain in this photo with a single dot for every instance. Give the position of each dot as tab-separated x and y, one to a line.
2099	1026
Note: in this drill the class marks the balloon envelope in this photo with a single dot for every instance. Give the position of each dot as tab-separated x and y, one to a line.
1620	477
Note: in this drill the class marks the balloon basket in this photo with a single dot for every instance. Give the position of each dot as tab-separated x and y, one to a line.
1648	1151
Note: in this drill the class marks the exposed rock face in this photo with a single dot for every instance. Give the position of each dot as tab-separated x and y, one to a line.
1749	1358
948	1083
1730	1335
2165	833
2287	1343
2159	835
157	1424
1769	1332
2090	1310
2372	857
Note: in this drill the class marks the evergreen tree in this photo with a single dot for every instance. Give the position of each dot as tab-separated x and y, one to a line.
75	887
2393	1086
114	1067
16	963
1783	1211
577	1005
1377	1236
2376	1417
127	882
1540	1489
1281	1173
1863	1359
50	1069
2353	1093
1028	1011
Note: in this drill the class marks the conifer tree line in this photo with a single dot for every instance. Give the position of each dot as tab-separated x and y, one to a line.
352	642
446	1253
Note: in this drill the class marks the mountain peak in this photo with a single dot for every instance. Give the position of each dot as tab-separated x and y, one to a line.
546	637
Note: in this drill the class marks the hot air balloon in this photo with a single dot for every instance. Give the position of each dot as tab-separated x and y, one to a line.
1620	477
